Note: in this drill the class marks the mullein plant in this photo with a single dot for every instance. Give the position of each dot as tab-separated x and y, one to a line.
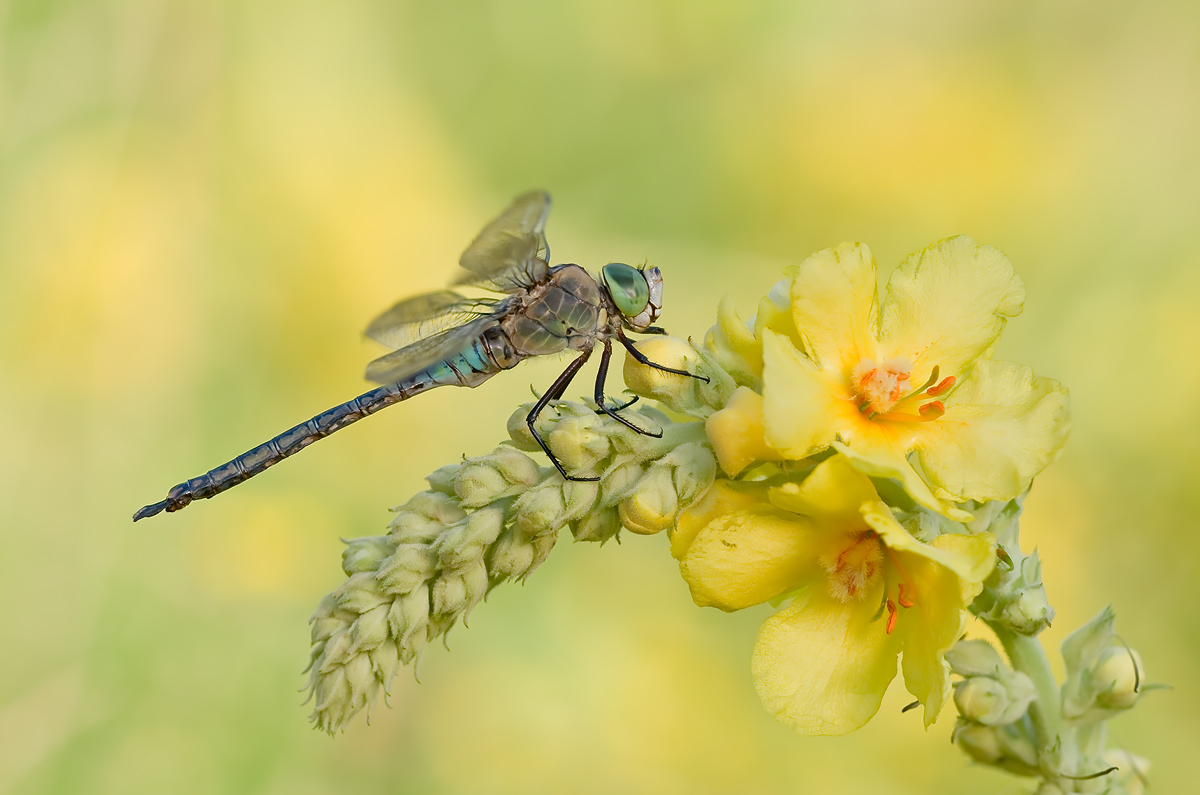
860	465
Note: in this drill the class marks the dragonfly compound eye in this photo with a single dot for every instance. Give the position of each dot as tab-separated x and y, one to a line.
628	288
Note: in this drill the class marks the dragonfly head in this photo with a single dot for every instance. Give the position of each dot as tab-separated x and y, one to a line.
636	292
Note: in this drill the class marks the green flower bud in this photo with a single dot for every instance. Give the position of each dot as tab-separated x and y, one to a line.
475	578
579	498
423	517
478	484
695	470
385	661
579	442
540	510
975	658
510	557
597	526
994	702
518	429
1029	612
448	596
360	593
365	554
409	567
408	618
653	506
370	629
464	543
981	743
678	392
1117	678
619	481
442	480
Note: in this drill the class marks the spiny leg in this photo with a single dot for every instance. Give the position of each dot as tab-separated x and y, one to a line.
554	393
641	358
601	376
623	406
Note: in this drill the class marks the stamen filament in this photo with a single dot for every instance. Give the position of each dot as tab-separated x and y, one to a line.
891	619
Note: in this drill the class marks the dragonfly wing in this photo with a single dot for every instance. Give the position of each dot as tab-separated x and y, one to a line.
427	352
511	253
425	315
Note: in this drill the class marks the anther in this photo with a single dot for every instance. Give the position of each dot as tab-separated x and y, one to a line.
891	620
931	411
903	598
945	384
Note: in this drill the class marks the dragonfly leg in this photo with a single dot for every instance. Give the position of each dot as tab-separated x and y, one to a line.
621	407
601	376
641	357
554	393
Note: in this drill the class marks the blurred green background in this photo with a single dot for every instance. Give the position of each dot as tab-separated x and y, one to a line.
203	202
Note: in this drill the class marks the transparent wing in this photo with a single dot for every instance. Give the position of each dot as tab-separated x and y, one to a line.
425	315
511	253
427	352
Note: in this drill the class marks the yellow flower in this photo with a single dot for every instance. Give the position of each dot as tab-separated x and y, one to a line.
912	377
867	592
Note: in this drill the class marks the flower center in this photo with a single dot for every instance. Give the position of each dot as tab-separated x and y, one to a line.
853	568
884	391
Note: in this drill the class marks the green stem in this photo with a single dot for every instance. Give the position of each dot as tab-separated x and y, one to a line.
1027	656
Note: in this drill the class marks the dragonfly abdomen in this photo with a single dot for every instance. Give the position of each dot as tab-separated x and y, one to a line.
479	361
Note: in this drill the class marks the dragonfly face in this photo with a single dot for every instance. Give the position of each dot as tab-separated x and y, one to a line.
447	339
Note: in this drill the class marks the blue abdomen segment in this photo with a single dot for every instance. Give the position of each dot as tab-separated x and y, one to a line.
479	361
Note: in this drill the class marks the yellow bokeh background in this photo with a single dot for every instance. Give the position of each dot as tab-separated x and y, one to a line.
202	203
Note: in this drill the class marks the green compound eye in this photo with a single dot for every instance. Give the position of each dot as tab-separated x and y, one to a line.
627	286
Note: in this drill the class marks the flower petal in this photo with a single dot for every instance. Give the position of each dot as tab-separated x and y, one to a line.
880	454
832	492
835	306
971	559
947	304
936	621
735	346
1001	428
743	551
801	405
736	432
821	666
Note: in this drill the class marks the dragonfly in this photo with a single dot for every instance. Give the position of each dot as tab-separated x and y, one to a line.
444	338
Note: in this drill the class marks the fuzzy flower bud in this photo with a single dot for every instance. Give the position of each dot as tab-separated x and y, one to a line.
578	442
365	554
423	517
598	526
678	392
654	505
1028	612
1117	678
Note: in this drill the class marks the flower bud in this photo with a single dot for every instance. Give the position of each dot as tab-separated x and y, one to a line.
975	658
518	429
981	699
424	516
385	660
510	557
475	578
360	593
579	498
465	542
411	565
578	442
1029	612
695	470
365	554
478	484
598	526
448	596
676	391
981	743
442	480
620	481
408	617
653	506
1117	678
540	510
370	629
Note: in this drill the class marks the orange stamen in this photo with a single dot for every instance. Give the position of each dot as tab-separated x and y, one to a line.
946	383
936	408
903	598
891	621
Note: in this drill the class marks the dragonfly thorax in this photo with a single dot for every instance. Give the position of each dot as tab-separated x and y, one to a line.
563	312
